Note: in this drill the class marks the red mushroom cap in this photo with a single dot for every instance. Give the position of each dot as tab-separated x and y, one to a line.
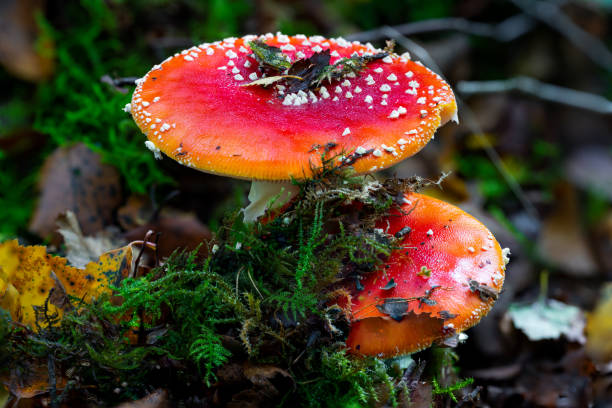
194	108
444	279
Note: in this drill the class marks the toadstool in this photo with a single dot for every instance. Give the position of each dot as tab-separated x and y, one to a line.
265	108
445	277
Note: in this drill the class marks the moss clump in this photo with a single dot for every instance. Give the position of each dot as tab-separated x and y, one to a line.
259	319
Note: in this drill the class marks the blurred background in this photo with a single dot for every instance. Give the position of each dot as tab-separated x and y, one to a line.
531	158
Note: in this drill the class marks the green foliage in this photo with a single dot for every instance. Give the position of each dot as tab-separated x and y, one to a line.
208	353
16	198
367	14
343	381
540	169
5	335
75	106
266	295
449	391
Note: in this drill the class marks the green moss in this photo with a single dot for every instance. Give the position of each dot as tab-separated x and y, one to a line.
75	106
266	296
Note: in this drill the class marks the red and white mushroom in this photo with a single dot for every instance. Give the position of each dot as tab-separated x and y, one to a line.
444	279
195	108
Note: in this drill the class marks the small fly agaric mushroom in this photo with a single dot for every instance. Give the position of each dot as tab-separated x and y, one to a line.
265	108
444	279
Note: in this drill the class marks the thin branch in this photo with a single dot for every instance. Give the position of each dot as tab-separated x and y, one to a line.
540	90
469	118
551	14
506	31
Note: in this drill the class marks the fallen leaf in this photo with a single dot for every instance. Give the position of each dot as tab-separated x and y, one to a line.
25	50
562	241
4	397
599	328
80	250
591	168
156	399
178	231
73	178
136	212
548	320
28	275
27	382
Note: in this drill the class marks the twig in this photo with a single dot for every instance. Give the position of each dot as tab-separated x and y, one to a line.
550	14
142	249
119	84
52	382
541	90
253	283
471	122
506	31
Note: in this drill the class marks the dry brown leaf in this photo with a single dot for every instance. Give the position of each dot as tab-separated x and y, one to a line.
178	231
23	50
31	380
562	241
136	212
74	178
80	250
157	399
28	275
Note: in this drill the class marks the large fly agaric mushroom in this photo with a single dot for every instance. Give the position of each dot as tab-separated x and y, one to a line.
265	108
446	276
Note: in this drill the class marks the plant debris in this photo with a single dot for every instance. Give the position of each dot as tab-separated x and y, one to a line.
307	73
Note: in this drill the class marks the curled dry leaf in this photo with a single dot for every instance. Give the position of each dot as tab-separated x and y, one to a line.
28	275
80	250
73	178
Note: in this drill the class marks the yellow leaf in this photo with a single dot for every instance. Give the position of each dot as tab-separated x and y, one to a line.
599	328
4	397
27	276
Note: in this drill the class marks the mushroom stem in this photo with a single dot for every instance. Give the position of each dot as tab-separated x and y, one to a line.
266	195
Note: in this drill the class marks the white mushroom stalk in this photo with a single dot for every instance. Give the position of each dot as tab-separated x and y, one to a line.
268	195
